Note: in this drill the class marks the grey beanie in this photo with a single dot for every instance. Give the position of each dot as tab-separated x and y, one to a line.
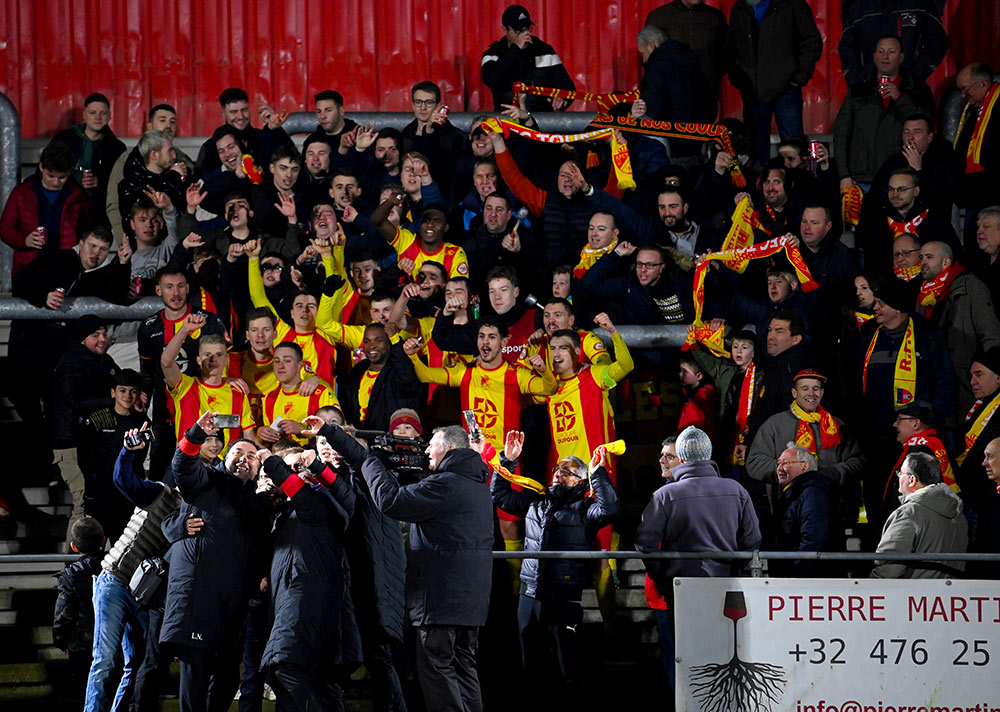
693	445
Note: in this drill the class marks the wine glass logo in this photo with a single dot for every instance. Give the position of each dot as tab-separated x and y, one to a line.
736	684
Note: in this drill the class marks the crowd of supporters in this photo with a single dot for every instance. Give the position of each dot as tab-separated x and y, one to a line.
371	279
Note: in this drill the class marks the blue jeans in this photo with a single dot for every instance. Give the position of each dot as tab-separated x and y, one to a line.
787	111
118	621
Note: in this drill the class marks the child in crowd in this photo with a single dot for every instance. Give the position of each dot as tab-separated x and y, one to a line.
700	399
73	622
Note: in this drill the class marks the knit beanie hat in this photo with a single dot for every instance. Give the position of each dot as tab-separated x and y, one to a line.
896	295
693	445
406	416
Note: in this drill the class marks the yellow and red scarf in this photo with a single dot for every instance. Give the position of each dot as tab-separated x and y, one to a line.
850	205
982	419
973	154
903	227
906	274
255	174
697	132
742	256
619	151
930	440
829	431
904	379
492	458
861	318
745	219
746	397
588	256
937	289
712	339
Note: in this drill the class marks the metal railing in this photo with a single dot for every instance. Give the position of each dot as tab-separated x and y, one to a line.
755	558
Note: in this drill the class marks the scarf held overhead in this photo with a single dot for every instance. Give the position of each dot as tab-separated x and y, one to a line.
696	132
619	150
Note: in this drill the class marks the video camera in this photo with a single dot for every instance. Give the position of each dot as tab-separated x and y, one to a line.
401	455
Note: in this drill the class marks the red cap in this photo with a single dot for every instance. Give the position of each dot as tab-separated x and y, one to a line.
810	373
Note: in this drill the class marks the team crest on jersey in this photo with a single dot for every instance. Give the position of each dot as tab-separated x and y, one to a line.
289	407
486	412
212	400
565	416
462	269
599	346
484	382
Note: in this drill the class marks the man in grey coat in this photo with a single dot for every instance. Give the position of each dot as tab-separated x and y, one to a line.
449	569
929	519
807	423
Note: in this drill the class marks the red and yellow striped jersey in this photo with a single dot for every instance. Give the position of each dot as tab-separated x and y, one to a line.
494	394
592	349
365	392
409	246
580	413
192	397
292	406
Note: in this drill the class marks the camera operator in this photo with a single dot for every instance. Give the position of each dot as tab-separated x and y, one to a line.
449	569
566	517
375	553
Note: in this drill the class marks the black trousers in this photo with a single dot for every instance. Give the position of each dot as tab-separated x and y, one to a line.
446	666
298	691
550	650
208	678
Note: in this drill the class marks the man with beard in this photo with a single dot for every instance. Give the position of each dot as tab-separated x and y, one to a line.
557	315
162	118
492	387
496	243
673	230
380	384
330	115
563	213
413	250
209	572
157	168
284	408
960	305
236	113
316	343
566	516
903	211
191	395
154	334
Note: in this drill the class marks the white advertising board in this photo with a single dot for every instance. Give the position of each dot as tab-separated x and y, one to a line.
837	645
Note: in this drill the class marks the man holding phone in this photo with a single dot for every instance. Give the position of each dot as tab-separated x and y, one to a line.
191	396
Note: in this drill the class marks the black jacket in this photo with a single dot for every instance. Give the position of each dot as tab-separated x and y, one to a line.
449	569
374	549
81	384
261	144
563	519
105	153
209	572
774	392
667	302
807	520
674	87
314	624
782	50
136	177
73	622
396	387
504	64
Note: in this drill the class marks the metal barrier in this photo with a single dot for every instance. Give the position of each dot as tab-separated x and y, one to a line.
76	307
10	174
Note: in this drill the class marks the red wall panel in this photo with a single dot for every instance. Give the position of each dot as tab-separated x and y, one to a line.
53	52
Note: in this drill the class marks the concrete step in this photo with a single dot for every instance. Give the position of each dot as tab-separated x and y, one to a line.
631	565
23	674
38	496
10	546
6	600
33	582
20	693
8	618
